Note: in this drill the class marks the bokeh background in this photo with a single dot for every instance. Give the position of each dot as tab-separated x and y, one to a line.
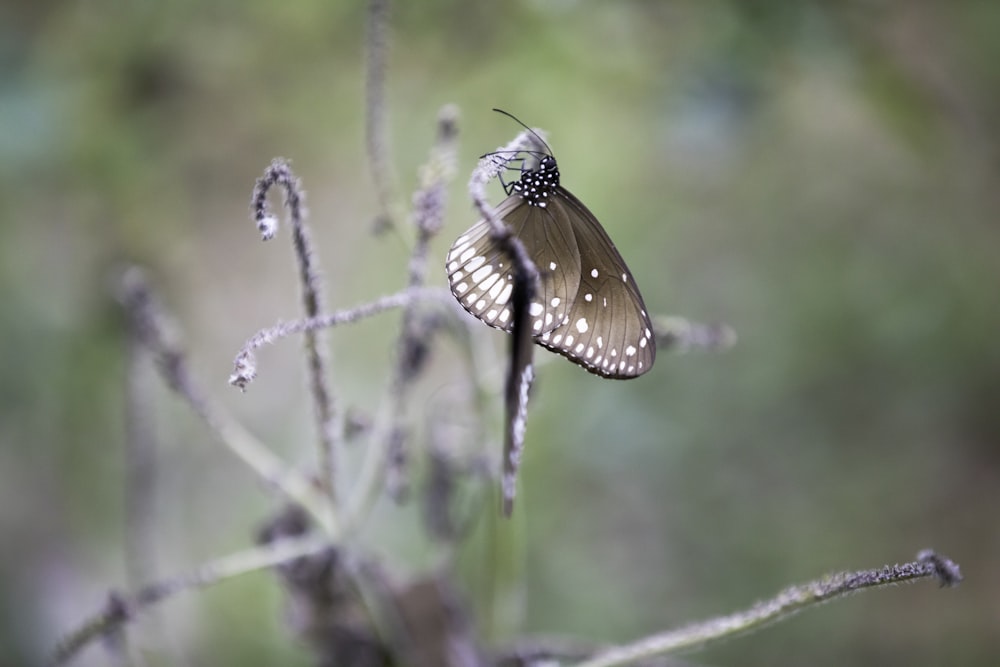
824	177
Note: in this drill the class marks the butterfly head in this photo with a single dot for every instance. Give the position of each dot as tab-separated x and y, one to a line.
536	185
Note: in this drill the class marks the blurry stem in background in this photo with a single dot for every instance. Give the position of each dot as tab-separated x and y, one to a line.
141	481
328	430
140	464
679	334
151	328
369	477
429	204
784	604
376	123
121	609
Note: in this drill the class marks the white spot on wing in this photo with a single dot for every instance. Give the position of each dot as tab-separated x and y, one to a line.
594	273
535	309
486	284
495	289
581	325
481	273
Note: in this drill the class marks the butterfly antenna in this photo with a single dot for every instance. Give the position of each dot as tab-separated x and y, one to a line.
518	121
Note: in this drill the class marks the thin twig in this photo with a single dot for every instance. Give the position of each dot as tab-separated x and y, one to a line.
492	165
376	130
679	334
141	484
140	463
245	364
152	327
429	204
525	283
789	601
388	441
328	432
123	608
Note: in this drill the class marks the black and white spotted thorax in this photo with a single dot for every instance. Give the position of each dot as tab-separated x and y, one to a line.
536	185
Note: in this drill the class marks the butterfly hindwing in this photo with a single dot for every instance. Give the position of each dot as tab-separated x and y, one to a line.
608	331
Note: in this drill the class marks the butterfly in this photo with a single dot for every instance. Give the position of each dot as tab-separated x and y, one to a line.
581	300
587	306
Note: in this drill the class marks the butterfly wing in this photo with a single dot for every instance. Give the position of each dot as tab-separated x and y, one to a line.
479	272
608	330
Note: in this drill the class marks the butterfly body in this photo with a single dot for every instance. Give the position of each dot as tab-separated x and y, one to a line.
587	306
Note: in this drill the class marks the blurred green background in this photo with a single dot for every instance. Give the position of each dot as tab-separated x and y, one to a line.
824	177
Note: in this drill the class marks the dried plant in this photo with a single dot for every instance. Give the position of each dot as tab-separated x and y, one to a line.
342	602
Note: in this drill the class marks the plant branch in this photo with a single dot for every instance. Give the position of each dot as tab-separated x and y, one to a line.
151	326
376	130
412	348
679	334
525	284
786	603
120	609
245	364
280	174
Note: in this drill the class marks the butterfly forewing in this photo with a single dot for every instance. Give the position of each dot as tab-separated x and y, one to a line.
479	273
